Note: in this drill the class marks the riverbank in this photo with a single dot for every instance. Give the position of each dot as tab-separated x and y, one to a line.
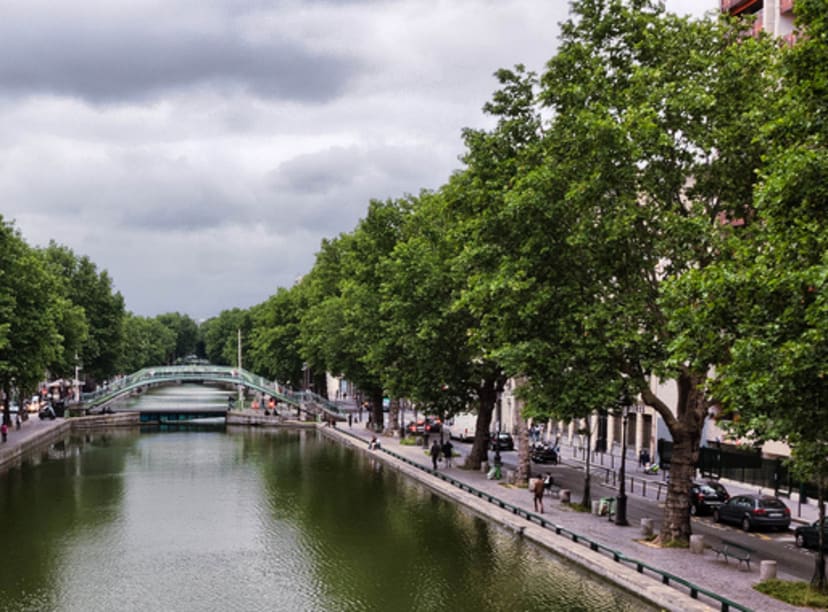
35	434
513	509
582	538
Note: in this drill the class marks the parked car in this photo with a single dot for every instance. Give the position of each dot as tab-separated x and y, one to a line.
541	453
501	441
427	425
807	536
706	496
752	511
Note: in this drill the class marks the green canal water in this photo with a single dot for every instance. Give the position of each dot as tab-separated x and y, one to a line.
215	519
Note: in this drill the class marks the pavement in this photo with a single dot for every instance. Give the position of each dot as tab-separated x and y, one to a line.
731	580
706	570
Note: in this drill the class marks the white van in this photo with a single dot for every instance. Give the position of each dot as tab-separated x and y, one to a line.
463	426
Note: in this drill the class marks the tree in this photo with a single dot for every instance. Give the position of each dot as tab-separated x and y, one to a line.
103	309
343	320
185	330
650	147
221	337
771	296
147	342
275	337
29	336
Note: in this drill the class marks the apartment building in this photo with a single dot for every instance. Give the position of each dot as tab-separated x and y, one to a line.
772	16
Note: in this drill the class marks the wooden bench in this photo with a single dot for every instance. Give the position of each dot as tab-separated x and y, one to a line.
729	549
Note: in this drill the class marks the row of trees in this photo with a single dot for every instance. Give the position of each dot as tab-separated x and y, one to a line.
651	208
59	313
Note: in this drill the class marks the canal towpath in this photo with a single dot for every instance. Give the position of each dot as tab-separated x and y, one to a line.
707	570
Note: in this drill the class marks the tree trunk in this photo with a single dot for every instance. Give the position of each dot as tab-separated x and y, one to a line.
818	581
393	418
480	451
522	472
686	432
586	500
376	410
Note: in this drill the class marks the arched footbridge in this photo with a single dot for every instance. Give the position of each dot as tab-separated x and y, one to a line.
222	376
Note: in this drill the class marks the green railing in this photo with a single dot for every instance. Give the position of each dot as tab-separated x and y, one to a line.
666	578
148	377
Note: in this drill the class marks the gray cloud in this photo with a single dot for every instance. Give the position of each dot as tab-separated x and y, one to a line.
117	59
200	150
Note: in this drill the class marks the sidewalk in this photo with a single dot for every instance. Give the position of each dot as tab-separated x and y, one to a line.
706	571
32	432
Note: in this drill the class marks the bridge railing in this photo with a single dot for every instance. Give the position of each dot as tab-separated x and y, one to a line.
235	376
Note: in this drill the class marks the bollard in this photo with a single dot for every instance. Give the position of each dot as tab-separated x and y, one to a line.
647	527
697	544
767	570
565	494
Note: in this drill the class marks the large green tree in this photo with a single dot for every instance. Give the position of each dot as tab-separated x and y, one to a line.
147	342
29	315
186	335
649	149
343	320
768	301
275	337
103	309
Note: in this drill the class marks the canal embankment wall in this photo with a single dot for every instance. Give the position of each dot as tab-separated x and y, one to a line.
603	567
35	436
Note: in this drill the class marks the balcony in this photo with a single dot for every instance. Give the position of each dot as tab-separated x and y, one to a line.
736	7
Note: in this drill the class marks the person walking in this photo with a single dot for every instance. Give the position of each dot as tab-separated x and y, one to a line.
4	431
435	453
537	493
448	449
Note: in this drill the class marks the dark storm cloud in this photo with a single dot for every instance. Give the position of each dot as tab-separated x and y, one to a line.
104	63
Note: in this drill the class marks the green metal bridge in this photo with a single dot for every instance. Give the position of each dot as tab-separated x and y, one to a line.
228	377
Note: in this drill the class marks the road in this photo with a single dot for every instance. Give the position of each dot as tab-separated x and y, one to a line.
776	546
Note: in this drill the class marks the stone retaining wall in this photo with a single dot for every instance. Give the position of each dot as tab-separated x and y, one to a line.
12	453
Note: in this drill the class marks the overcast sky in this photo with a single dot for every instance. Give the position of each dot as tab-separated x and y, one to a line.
200	150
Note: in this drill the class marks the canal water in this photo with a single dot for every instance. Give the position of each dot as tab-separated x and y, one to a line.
224	519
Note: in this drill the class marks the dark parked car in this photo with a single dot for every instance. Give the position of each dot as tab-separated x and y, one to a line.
807	536
706	496
540	453
751	511
428	425
501	441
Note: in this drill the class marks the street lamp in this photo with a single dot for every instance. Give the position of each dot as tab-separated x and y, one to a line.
621	501
497	460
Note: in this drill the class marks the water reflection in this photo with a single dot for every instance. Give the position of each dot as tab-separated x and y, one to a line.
256	520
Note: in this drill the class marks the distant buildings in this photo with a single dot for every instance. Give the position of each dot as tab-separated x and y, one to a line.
772	16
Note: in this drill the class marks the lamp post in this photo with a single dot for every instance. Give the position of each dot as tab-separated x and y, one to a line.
621	501
497	460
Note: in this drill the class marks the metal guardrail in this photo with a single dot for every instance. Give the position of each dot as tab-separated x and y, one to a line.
222	374
666	577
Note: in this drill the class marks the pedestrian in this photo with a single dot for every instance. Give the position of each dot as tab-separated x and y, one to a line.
537	493
4	431
643	458
448	448
17	421
435	453
350	419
